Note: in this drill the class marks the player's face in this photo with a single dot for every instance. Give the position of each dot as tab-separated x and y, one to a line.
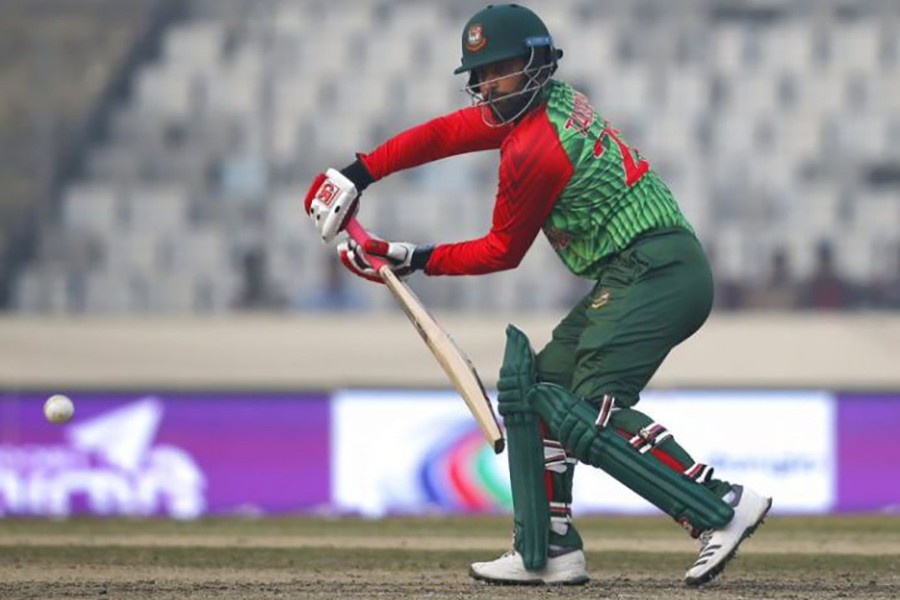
501	78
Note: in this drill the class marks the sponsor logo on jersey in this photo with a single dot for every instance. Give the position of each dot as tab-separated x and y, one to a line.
475	39
327	193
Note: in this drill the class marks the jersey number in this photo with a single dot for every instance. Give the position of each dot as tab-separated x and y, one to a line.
633	170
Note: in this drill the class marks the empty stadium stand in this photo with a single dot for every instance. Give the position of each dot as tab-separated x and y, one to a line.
771	120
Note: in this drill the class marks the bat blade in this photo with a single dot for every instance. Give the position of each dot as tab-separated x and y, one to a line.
453	360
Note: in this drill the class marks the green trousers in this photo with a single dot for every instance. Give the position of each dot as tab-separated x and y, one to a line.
649	298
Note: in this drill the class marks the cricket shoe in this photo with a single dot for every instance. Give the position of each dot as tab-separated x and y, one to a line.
718	546
565	568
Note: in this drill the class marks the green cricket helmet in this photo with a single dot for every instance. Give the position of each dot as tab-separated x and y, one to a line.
502	32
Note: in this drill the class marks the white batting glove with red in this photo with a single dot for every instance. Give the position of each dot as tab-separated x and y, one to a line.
402	257
355	261
330	202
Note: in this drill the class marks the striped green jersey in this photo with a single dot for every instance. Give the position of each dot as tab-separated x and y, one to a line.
613	195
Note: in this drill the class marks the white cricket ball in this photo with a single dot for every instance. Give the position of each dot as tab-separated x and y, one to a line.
59	409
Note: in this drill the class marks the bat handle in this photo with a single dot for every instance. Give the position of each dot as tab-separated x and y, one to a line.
358	233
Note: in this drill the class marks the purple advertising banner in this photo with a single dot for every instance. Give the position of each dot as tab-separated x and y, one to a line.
868	453
179	454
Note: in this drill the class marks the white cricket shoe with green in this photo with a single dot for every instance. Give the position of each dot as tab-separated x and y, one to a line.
718	546
562	569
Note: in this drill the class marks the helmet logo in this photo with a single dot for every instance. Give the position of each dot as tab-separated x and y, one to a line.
475	39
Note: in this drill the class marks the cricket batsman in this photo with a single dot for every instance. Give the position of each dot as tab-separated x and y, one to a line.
566	170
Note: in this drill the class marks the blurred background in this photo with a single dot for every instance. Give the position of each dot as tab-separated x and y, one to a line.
156	264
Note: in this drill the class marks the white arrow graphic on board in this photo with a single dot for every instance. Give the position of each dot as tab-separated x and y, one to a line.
122	436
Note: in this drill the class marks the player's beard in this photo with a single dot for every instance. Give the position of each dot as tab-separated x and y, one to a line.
505	107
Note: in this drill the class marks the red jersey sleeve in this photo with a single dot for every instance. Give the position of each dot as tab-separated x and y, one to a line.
456	133
534	170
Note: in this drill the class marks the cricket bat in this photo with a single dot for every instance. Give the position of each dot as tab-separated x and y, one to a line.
455	363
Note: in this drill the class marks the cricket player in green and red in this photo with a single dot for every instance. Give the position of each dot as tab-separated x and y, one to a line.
567	171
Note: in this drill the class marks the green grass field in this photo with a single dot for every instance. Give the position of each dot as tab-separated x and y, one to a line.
851	557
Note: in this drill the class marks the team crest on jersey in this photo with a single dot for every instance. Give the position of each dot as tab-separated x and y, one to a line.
601	300
475	39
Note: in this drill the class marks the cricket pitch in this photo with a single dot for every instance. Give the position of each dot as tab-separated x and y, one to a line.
306	557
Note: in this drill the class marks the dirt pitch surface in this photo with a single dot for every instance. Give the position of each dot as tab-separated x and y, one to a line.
428	558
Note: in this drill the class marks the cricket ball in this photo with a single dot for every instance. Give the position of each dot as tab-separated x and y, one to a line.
59	409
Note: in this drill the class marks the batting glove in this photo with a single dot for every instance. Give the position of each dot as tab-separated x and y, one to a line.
330	202
403	258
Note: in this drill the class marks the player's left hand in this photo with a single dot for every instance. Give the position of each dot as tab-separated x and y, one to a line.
402	257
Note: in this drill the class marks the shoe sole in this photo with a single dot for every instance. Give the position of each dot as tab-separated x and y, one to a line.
579	580
717	570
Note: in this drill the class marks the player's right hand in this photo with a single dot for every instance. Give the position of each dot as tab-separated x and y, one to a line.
402	258
355	260
330	202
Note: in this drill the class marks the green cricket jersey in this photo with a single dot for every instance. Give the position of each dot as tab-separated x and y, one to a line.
612	196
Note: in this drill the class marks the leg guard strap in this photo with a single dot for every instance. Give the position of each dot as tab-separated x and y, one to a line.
649	437
560	517
699	472
573	422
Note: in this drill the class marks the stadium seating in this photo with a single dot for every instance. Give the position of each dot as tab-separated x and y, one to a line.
762	116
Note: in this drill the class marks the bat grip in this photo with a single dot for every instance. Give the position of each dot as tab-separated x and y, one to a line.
361	236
